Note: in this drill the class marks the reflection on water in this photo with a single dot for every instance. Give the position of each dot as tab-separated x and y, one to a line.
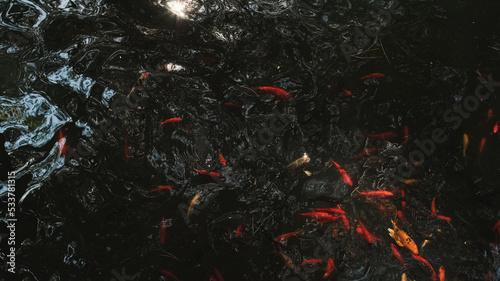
104	75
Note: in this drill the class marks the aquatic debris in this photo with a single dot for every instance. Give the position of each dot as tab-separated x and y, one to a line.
402	239
280	93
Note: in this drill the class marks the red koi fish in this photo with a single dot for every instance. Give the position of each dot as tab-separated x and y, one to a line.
331	210
373	75
206	173
163	231
361	230
329	220
496	226
495	129
233	105
378	193
239	231
433	207
346	92
221	159
286	259
169	274
285	236
420	259
144	76
329	268
368	151
62	144
483	144
172	120
318	215
165	187
343	173
382	136
407	134
346	222
403	203
441	273
311	261
448	219
490	114
398	255
218	275
401	216
280	93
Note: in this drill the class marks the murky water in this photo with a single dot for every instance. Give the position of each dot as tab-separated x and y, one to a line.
85	86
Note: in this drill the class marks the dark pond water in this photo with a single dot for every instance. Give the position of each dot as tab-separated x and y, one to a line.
86	84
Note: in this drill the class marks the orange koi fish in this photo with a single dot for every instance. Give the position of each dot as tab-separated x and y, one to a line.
309	262
169	274
221	159
163	231
343	173
172	120
402	239
193	202
285	236
441	273
466	143
420	259
62	143
288	261
373	75
382	136
398	255
165	187
329	268
406	134
403	277
411	181
206	173
299	162
233	105
483	143
346	92
433	207
280	93
368	151
239	231
378	193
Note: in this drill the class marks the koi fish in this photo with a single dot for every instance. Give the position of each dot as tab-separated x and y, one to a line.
206	173
311	261
441	273
211	277
280	93
163	231
495	129
448	219
406	133
221	159
403	277
169	274
497	225
466	143
165	187
373	75
420	259
433	207
378	193
411	181
193	202
329	268
318	215
382	136
285	236
398	255
288	261
346	222
172	120
402	239
483	143
218	275
330	210
144	76
239	231
343	173
368	151
346	92
485	76
62	143
233	105
401	216
403	203
425	243
490	114
299	162
361	230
